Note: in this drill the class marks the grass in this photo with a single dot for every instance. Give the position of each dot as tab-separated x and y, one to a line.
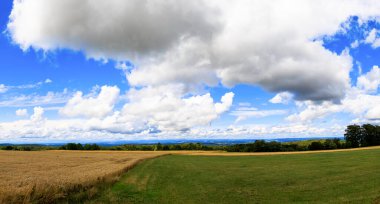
334	177
50	176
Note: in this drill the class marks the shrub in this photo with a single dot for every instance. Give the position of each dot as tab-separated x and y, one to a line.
316	146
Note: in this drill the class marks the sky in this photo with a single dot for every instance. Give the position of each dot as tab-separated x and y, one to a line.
176	69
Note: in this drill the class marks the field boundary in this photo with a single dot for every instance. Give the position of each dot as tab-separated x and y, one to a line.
223	153
89	192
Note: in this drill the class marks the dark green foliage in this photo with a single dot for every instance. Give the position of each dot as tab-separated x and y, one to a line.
166	147
353	135
338	144
8	148
262	146
72	146
371	134
28	147
316	146
91	147
361	136
78	146
330	144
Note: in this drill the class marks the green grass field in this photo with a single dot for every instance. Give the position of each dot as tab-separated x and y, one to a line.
336	177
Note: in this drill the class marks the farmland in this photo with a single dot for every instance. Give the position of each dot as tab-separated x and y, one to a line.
46	176
334	176
323	177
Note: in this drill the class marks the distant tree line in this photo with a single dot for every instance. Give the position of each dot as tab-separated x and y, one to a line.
167	147
140	147
26	147
79	146
362	136
263	146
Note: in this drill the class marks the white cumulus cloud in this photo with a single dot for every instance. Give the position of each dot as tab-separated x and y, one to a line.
283	97
21	112
166	108
38	113
370	81
373	39
89	106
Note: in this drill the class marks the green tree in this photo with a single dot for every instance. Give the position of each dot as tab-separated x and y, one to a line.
353	135
369	134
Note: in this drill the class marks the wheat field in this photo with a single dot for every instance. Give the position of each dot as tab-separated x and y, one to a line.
48	176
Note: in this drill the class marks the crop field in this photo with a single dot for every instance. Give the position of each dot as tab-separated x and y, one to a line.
335	176
47	176
319	177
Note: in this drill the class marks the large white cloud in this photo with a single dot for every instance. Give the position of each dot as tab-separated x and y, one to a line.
361	100
271	44
89	106
114	29
188	63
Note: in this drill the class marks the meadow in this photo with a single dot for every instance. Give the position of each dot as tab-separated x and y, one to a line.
51	176
318	177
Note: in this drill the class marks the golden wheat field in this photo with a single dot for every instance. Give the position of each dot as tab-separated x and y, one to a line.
47	176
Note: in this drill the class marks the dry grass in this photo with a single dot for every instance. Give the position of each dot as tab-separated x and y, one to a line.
48	176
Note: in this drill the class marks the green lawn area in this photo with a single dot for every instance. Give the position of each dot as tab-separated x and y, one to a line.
336	177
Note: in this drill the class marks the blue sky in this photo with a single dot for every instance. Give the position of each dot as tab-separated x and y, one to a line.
132	70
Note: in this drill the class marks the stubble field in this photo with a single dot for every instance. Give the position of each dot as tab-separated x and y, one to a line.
48	176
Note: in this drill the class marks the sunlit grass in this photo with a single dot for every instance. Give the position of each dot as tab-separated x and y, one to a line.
334	177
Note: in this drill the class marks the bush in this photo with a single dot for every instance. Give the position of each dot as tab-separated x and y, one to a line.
316	146
330	144
8	148
91	147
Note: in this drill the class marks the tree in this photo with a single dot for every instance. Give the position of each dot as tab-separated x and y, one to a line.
377	136
353	135
369	135
159	146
